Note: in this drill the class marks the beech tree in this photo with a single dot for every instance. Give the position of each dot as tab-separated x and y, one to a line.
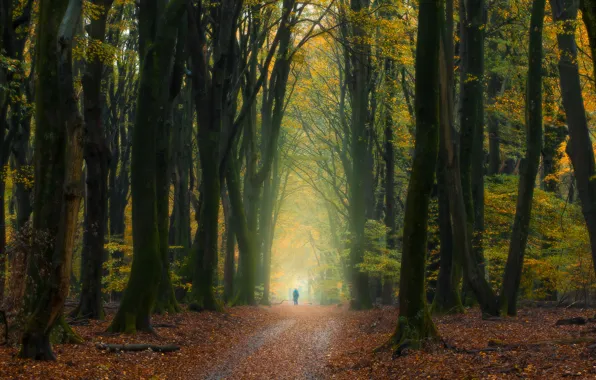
414	323
579	147
97	156
157	41
58	164
529	169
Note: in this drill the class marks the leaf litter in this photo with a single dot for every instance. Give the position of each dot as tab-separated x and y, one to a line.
313	342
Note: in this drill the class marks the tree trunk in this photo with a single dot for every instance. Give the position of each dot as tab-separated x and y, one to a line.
266	215
447	298
97	156
58	164
358	62
579	146
389	158
246	242
139	297
166	300
461	229
529	169
268	220
213	96
414	323
472	122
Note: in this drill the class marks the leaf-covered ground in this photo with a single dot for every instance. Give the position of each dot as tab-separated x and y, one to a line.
308	342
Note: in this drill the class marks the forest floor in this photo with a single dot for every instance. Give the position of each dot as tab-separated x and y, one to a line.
311	342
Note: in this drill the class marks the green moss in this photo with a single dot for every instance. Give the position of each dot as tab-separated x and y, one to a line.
412	333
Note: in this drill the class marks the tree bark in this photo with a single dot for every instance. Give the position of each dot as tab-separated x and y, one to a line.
472	121
214	101
447	298
358	72
59	162
414	323
529	169
461	229
97	156
139	297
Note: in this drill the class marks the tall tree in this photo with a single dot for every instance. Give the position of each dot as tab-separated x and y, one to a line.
472	120
97	156
529	169
58	173
414	323
213	94
358	72
447	297
579	146
157	39
461	229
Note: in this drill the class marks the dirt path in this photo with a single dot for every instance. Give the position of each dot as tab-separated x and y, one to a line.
295	347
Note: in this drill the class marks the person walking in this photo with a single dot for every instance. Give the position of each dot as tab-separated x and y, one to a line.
296	295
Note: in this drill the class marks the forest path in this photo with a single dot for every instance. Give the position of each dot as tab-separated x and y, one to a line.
294	347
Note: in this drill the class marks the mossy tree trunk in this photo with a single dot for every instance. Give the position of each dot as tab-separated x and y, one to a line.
139	297
529	169
414	323
58	172
97	156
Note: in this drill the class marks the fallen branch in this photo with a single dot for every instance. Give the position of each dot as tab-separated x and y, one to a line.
165	325
136	347
497	346
571	321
